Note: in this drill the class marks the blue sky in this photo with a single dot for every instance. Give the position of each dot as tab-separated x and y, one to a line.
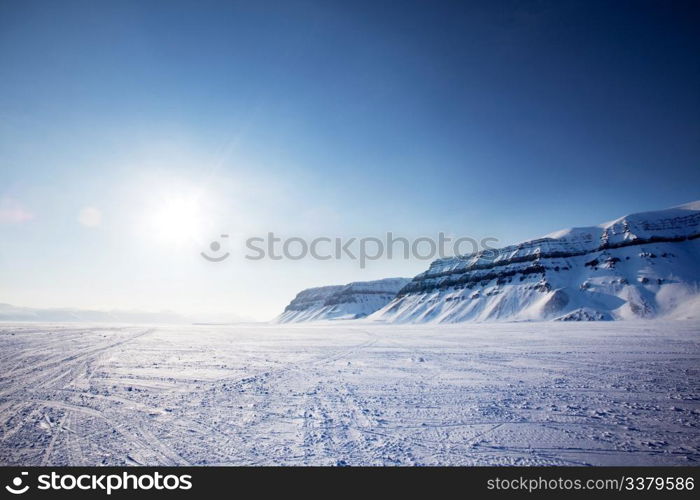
503	119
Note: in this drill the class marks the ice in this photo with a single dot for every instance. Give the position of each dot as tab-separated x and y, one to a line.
349	393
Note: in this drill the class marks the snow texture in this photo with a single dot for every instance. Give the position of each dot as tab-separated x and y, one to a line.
348	393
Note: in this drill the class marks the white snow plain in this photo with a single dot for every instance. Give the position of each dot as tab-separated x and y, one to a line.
607	393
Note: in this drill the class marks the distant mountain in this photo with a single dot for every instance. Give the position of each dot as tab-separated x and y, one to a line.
642	265
351	301
13	313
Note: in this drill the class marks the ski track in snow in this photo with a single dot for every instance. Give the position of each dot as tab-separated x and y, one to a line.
623	393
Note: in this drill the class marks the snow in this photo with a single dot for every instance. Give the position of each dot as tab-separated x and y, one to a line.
341	302
357	393
676	221
644	265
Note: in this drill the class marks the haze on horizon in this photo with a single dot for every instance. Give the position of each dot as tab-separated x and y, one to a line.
132	134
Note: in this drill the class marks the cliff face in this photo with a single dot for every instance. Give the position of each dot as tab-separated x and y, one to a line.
351	301
639	266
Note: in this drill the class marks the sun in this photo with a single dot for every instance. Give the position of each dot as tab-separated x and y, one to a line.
173	212
177	219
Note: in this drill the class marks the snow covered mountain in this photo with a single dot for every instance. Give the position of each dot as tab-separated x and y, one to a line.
351	301
639	266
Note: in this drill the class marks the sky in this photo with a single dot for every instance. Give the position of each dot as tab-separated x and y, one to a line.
133	134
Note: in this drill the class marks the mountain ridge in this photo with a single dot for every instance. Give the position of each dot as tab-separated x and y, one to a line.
335	302
639	265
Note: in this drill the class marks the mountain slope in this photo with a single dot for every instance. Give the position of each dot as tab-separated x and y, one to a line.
639	266
351	301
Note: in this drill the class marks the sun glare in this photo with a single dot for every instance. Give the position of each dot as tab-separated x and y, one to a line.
177	219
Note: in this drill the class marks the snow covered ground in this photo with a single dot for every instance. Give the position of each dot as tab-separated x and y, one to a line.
354	393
